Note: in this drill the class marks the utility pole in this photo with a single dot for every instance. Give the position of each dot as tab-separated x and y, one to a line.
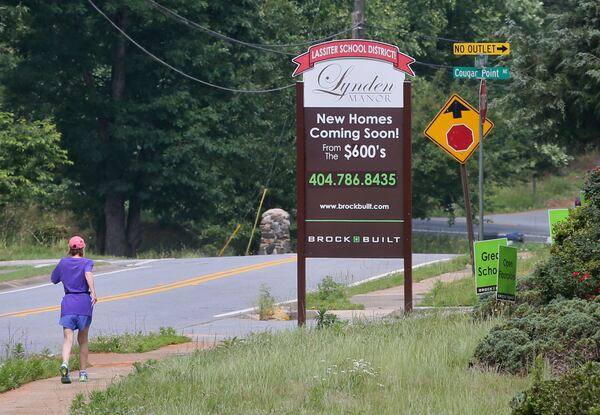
358	20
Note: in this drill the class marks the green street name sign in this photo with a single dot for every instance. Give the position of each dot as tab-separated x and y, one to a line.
507	273
486	264
468	72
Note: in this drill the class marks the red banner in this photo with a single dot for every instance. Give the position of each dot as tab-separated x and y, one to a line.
353	48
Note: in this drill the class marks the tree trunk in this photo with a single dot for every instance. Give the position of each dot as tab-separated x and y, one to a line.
100	227
114	208
114	211
133	225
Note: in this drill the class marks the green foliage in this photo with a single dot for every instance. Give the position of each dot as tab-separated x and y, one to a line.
573	269
331	295
266	303
30	156
574	393
555	88
591	187
137	343
451	294
300	372
17	367
566	333
325	319
439	243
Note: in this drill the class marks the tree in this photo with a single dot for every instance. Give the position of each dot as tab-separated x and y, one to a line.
30	157
139	134
556	66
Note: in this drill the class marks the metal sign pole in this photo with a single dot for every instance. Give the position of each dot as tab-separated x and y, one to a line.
300	204
407	190
465	183
481	62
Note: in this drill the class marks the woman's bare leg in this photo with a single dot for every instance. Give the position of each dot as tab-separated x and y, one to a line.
82	339
67	344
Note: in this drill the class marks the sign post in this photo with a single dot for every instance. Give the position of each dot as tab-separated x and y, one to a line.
454	129
486	264
507	273
481	51
353	155
482	114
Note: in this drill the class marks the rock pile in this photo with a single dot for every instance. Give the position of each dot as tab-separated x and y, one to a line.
274	232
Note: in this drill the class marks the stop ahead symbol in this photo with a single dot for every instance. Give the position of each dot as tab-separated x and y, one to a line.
460	137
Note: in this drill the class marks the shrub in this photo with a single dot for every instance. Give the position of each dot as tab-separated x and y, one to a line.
488	307
566	333
573	269
266	303
137	343
325	319
331	291
575	393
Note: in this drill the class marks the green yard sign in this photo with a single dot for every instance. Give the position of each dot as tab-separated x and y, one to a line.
507	273
555	216
486	264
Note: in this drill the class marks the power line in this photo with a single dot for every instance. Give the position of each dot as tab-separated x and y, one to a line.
433	65
169	12
193	78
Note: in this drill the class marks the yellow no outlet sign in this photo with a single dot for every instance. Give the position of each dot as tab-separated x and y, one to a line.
455	128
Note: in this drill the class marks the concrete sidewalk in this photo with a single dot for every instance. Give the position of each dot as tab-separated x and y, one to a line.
49	396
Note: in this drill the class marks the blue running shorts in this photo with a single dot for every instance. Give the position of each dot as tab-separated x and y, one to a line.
75	321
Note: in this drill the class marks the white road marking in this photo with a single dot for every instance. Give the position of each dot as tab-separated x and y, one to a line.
376	277
137	264
49	283
44	265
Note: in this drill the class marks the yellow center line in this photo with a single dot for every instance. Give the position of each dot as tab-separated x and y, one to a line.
162	287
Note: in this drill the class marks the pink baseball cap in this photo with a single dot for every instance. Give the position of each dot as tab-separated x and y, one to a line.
76	242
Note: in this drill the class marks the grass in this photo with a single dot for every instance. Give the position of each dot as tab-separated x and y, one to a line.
136	343
18	368
340	298
419	274
462	292
417	365
564	187
22	272
440	243
331	295
18	273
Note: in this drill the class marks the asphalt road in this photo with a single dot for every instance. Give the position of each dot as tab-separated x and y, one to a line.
533	224
147	295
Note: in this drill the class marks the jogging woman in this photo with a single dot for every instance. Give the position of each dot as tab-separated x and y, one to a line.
75	272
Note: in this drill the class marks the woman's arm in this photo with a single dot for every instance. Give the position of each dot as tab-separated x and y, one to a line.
89	277
55	277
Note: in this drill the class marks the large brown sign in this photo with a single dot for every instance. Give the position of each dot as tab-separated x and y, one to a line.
353	155
354	182
355	145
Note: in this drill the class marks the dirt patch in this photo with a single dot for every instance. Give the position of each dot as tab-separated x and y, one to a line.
560	203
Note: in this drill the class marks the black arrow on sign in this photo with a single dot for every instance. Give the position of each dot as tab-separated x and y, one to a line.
456	108
502	48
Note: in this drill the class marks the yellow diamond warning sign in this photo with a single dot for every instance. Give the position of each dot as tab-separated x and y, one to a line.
456	128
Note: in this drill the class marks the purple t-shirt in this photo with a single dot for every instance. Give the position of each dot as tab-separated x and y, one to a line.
71	272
